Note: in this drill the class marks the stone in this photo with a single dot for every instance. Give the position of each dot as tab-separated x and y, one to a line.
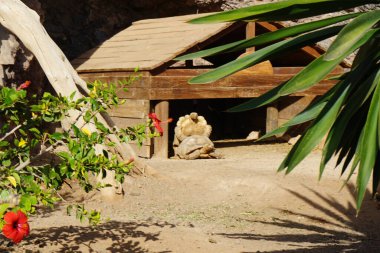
254	135
293	140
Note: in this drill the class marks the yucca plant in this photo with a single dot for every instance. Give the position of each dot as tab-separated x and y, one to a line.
349	112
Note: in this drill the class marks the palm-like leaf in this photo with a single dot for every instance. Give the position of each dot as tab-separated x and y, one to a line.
349	114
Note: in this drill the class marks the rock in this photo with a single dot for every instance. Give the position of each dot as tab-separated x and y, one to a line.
254	135
294	140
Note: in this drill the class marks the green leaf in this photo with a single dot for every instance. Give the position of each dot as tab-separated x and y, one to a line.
3	208
57	136
87	116
267	37
64	155
351	34
317	130
6	163
17	178
12	180
101	127
4	143
361	95
25	202
376	175
264	54
35	131
368	146
251	12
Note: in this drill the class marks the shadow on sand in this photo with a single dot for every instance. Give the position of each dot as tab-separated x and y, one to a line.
119	237
342	231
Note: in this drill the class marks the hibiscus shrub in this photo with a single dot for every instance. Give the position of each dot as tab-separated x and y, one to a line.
37	157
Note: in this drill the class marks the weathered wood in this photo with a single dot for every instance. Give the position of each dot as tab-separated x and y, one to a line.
272	118
139	83
156	46
144	151
132	108
161	144
92	76
135	93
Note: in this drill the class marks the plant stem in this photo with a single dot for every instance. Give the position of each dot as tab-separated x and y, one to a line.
11	132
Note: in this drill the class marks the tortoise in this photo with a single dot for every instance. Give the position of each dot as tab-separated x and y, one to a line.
188	125
196	146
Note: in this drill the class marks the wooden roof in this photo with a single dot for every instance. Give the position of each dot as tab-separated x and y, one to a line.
147	44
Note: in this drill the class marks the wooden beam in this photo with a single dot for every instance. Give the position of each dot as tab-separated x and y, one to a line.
173	84
161	144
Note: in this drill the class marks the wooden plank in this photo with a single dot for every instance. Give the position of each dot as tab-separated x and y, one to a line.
138	83
195	72
135	93
271	118
242	80
161	144
169	87
110	64
226	92
124	122
121	74
151	53
170	19
144	37
144	151
179	28
127	52
132	108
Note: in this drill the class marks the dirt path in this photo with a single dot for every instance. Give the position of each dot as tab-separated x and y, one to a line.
236	204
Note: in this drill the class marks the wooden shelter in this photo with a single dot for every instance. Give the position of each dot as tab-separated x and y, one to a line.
151	46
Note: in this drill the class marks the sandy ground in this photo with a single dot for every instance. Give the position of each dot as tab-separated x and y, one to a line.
235	204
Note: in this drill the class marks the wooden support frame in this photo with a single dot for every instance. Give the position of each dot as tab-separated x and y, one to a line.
160	81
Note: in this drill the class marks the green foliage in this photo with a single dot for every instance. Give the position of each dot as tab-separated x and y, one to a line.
32	172
93	216
349	113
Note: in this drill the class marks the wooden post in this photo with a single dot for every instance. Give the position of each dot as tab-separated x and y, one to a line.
161	144
272	118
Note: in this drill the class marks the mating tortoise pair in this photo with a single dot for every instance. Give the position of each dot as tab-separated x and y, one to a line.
191	138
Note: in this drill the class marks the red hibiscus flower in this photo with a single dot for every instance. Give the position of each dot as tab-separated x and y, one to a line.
157	122
25	85
16	226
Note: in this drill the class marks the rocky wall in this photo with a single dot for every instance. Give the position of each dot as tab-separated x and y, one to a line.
77	26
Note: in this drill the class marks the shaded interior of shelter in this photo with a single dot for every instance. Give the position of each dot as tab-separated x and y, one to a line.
232	127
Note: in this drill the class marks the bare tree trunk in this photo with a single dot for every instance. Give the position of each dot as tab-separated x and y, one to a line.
25	23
